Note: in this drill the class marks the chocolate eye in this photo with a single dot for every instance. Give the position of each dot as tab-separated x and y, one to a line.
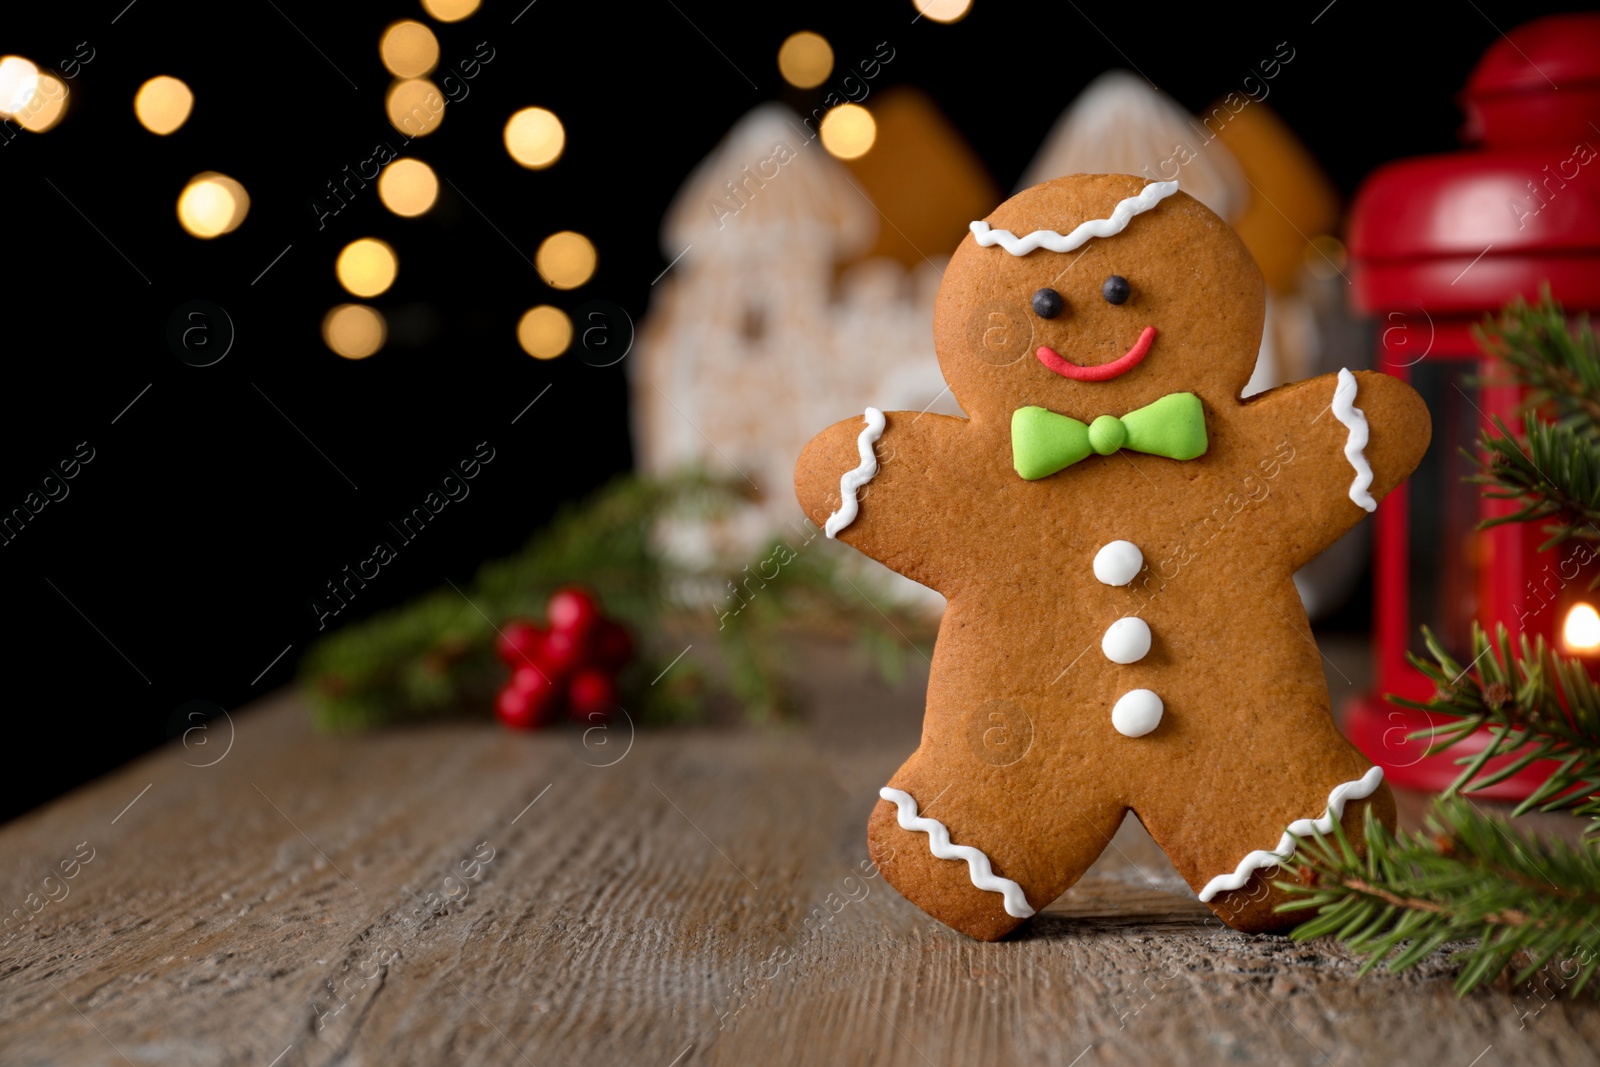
1116	290
1047	303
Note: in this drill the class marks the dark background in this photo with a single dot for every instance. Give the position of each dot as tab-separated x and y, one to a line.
191	546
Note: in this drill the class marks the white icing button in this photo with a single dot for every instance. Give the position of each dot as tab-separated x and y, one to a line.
1118	562
1126	640
1137	713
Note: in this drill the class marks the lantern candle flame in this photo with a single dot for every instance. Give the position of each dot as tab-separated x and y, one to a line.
1581	630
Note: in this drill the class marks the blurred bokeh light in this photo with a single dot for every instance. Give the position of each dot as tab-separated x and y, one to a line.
943	10
47	106
415	106
565	260
805	60
409	49
535	137
450	10
19	80
544	332
408	187
848	131
354	331
212	204
367	266
162	104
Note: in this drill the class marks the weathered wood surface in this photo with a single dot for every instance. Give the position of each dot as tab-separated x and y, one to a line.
699	901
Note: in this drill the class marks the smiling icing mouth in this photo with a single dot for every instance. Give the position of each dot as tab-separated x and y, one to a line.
1102	372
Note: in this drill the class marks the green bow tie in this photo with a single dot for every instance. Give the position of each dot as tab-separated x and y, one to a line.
1043	442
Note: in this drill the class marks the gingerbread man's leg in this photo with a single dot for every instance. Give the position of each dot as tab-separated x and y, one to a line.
959	837
1225	847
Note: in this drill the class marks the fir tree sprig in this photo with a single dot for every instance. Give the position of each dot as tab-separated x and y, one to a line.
1468	876
1536	705
1555	358
1554	472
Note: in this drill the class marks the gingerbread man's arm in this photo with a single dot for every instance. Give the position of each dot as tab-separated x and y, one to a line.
1349	439
901	513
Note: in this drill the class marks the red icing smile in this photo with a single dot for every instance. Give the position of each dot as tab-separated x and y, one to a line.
1103	372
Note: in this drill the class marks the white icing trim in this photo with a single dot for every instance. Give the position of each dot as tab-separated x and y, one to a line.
1345	410
1148	197
1359	789
855	479
978	867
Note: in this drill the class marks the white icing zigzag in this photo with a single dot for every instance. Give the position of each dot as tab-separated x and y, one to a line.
1148	197
982	874
1359	789
853	480
1345	410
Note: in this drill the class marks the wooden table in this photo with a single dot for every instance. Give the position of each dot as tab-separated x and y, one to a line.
699	900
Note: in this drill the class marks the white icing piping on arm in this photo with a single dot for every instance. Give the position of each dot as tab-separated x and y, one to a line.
1345	410
1359	789
854	480
1148	197
983	876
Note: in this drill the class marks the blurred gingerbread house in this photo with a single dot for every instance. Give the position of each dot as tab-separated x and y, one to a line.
794	304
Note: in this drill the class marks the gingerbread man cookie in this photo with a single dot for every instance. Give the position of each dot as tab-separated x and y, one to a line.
1115	531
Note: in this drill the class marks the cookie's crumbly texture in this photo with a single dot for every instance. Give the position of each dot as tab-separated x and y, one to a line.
1019	758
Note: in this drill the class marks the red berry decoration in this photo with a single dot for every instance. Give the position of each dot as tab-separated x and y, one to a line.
591	695
573	611
562	654
519	643
573	663
613	646
528	700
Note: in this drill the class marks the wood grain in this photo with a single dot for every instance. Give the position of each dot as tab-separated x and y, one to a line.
700	901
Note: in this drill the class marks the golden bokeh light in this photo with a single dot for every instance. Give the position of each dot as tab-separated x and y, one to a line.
212	204
409	49
162	104
848	131
450	10
943	10
19	80
367	266
415	106
1580	632
535	137
49	103
565	260
408	187
805	60
544	332
354	331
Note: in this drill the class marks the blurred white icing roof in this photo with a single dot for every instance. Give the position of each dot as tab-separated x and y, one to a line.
809	194
1121	124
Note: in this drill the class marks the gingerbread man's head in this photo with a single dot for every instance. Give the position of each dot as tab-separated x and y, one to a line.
1100	293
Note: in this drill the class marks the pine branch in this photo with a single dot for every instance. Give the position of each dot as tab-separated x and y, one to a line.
1557	360
1467	877
1536	706
1554	472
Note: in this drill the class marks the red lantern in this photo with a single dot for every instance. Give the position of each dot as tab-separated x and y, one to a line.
1437	242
